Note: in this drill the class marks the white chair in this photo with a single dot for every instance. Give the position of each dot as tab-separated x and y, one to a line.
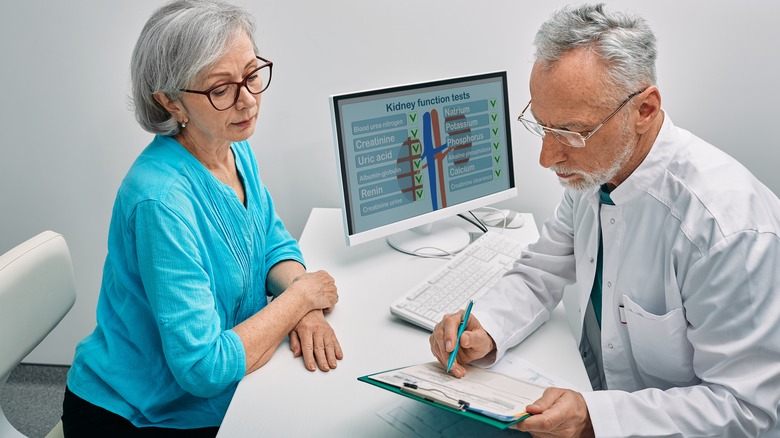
36	291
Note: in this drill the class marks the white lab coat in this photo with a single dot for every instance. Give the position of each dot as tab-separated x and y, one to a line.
692	261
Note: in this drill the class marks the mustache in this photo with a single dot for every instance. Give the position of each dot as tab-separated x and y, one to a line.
562	169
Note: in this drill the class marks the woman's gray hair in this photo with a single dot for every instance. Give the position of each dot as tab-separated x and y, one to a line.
180	41
626	43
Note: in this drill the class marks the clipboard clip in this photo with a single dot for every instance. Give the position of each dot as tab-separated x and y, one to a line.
435	395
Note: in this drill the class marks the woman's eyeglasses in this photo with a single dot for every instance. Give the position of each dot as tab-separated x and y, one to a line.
223	96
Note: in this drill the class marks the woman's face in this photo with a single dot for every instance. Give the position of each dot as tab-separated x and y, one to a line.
205	124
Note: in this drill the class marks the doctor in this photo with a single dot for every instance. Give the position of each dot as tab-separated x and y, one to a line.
673	245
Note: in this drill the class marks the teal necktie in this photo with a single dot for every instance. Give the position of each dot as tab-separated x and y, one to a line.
595	293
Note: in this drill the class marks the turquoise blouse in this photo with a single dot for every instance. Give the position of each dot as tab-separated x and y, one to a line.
187	261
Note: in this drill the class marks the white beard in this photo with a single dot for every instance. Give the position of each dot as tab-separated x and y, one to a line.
599	177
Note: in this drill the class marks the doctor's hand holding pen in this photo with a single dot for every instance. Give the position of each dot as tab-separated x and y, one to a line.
475	343
560	412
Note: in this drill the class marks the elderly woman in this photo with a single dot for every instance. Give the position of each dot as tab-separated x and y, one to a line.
195	245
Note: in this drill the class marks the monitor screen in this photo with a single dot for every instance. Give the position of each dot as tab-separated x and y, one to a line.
413	154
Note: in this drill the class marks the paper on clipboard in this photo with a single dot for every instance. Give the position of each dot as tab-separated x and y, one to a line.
481	391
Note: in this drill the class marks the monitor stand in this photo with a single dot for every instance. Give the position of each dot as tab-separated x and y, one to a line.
437	239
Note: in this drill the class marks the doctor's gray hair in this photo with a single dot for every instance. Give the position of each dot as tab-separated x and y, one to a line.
625	42
181	40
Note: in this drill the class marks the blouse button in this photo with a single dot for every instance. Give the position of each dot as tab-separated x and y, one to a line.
612	221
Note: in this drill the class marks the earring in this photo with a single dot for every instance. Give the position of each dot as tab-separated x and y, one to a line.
183	125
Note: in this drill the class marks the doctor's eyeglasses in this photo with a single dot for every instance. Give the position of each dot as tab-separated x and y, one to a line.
568	138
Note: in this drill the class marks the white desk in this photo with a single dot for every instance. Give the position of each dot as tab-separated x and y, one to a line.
284	399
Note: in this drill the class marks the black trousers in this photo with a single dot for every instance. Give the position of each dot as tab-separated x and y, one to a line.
81	418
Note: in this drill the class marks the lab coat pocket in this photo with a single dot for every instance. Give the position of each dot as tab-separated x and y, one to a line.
659	342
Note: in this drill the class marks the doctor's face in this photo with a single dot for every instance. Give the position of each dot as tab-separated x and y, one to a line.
568	96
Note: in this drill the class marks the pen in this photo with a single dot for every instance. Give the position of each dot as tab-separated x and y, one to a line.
460	332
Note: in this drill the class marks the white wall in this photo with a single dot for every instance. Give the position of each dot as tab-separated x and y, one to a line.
67	136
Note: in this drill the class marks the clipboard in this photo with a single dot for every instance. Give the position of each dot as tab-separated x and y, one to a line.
430	384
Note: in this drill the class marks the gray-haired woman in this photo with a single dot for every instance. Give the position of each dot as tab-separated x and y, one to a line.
195	245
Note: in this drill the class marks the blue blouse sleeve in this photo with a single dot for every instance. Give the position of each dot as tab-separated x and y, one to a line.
204	358
280	245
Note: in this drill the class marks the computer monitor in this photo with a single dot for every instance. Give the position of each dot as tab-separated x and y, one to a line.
411	155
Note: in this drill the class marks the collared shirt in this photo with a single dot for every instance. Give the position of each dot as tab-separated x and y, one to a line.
692	266
187	261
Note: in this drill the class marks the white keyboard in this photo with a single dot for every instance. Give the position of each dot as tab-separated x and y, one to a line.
468	274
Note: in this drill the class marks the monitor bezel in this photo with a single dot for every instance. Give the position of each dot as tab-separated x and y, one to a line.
355	238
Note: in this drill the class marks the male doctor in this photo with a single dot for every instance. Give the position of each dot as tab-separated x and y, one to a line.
673	245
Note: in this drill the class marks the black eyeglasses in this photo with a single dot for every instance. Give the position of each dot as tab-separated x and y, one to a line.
223	96
568	138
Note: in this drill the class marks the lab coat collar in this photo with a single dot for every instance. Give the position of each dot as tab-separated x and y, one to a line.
652	167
